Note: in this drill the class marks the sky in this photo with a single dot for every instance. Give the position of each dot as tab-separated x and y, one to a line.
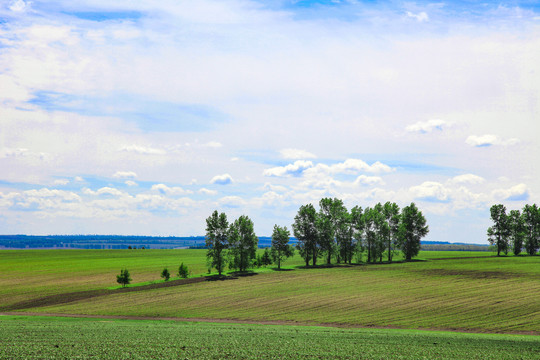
143	117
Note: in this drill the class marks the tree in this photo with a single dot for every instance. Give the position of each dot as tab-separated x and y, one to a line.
375	229
242	243
411	229
357	226
217	229
305	231
280	249
183	271
517	230
124	278
165	274
500	231
266	258
531	218
391	214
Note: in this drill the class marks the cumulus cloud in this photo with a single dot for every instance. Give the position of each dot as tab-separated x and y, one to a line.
467	179
424	127
174	191
206	191
61	182
213	144
420	17
431	191
19	5
305	167
368	180
124	174
143	150
103	191
224	179
295	169
489	140
518	192
232	201
130	183
296	154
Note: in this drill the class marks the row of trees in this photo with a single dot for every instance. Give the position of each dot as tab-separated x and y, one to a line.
516	230
333	232
235	244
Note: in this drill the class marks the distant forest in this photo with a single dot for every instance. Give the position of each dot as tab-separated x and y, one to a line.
167	242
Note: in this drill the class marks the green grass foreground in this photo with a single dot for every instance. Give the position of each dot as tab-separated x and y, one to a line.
463	291
60	338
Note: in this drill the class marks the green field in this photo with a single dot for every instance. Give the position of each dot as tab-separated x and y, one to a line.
469	292
60	338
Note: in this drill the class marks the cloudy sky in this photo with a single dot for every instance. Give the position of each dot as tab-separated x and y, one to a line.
142	117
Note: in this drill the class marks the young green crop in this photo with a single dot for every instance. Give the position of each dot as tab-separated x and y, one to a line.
60	338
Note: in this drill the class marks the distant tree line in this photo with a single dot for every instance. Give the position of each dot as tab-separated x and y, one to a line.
332	233
516	230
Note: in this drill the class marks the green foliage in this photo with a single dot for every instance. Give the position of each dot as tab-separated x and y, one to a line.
183	271
242	244
517	230
165	274
531	219
217	231
124	277
70	338
305	230
266	259
411	229
499	233
281	249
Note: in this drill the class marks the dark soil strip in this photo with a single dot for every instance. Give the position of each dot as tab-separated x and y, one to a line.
83	295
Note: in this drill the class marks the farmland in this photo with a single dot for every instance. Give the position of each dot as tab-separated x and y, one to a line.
59	338
469	292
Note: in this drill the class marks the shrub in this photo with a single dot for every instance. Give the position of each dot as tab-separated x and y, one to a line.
165	274
123	278
183	271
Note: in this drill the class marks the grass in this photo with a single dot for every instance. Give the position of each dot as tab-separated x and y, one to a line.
60	338
472	291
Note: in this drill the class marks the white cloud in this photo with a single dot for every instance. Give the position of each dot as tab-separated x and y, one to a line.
424	127
143	150
489	140
103	191
19	5
467	179
296	154
431	191
206	191
368	180
295	169
518	192
212	144
124	174
420	17
174	191
232	201
351	166
130	183
223	179
78	179
61	182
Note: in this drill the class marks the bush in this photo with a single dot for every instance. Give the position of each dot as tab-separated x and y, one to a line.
183	271
123	278
165	274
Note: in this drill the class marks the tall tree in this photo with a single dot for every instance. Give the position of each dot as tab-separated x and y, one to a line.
370	230
531	217
391	214
305	230
242	243
217	229
382	231
411	229
281	249
357	225
345	237
517	230
500	231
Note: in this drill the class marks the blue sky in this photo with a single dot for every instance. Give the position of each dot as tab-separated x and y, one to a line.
143	117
